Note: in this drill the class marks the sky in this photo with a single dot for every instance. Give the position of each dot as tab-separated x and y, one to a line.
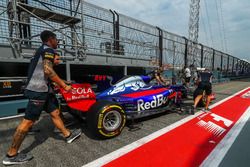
226	29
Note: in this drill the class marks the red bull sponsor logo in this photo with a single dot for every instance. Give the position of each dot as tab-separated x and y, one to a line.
157	101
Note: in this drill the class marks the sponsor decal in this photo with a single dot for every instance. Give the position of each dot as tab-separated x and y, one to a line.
157	101
246	95
100	120
49	55
79	93
7	85
116	90
77	97
132	85
100	77
37	102
212	123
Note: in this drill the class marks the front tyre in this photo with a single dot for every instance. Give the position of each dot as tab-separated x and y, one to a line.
106	119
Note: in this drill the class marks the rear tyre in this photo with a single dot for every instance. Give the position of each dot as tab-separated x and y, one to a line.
106	119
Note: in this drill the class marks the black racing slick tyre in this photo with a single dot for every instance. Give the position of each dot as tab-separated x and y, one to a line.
203	100
106	119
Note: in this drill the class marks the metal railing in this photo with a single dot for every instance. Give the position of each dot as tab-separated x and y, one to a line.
108	33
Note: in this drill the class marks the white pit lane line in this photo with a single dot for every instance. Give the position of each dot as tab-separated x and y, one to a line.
122	151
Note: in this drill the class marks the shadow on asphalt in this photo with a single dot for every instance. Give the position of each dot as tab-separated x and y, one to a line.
79	123
224	94
41	133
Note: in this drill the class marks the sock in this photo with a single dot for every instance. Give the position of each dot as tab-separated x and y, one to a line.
7	155
68	135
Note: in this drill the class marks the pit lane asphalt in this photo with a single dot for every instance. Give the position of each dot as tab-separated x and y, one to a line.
49	148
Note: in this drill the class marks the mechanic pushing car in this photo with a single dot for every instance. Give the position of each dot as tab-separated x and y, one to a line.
205	84
157	74
40	74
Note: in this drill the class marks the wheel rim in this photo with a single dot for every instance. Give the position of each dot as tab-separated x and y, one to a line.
112	120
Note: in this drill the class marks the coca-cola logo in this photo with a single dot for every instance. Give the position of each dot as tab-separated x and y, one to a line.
80	91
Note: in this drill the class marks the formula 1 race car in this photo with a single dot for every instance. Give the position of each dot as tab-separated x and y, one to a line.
130	98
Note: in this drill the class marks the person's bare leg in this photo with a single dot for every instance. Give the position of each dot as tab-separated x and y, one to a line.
55	115
196	100
19	136
62	116
207	102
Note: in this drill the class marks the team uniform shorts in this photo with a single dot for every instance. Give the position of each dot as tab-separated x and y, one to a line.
39	102
205	86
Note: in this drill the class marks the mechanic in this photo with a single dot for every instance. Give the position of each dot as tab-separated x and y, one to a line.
187	75
159	78
205	84
37	91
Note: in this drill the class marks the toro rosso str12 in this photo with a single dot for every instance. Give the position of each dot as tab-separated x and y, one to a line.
130	98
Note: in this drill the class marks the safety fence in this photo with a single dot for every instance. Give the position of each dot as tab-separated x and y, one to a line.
88	28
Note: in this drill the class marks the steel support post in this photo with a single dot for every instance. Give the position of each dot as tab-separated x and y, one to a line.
202	55
68	73
160	46
213	60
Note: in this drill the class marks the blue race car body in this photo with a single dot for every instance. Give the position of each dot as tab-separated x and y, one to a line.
130	98
140	98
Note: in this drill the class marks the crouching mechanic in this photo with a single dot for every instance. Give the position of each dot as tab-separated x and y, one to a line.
205	84
40	73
